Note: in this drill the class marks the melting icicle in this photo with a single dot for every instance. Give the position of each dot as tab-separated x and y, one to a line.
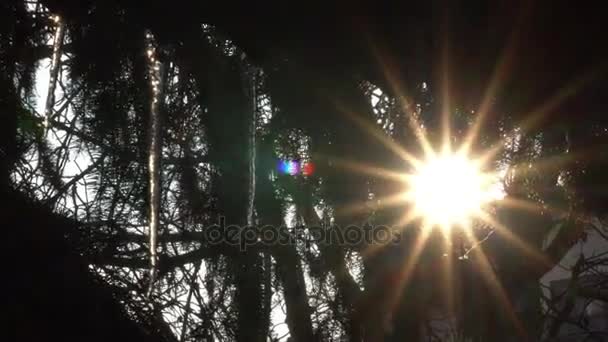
54	70
252	154
154	75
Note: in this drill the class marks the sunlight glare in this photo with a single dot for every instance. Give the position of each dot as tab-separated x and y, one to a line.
448	190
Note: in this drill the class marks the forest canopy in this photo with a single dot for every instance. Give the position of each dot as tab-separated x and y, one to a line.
416	165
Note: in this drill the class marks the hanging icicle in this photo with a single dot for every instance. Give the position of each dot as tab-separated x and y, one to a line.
252	152
154	149
54	69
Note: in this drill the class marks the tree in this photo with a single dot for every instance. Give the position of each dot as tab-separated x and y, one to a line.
237	96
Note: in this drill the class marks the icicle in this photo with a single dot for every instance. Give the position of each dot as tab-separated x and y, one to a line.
54	72
154	74
252	154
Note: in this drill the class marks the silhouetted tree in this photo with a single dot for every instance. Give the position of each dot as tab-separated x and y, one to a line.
173	116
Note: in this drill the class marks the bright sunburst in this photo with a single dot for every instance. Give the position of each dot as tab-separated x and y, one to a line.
448	189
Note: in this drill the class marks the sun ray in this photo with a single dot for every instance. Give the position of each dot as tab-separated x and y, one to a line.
566	92
514	239
445	96
406	218
393	200
535	116
552	162
448	287
396	228
493	282
405	272
532	207
484	108
416	127
559	161
499	75
377	133
402	99
369	169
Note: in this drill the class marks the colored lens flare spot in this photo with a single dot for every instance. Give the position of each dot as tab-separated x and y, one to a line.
295	167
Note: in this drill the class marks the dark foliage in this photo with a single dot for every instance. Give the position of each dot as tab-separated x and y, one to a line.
77	249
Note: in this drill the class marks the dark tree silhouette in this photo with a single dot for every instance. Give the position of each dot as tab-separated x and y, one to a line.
141	151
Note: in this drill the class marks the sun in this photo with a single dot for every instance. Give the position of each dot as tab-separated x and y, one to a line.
448	190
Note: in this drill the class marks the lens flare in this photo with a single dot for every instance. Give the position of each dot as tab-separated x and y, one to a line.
448	190
308	169
295	167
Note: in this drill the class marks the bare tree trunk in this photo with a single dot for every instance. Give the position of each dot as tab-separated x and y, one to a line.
290	273
288	267
349	292
221	82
